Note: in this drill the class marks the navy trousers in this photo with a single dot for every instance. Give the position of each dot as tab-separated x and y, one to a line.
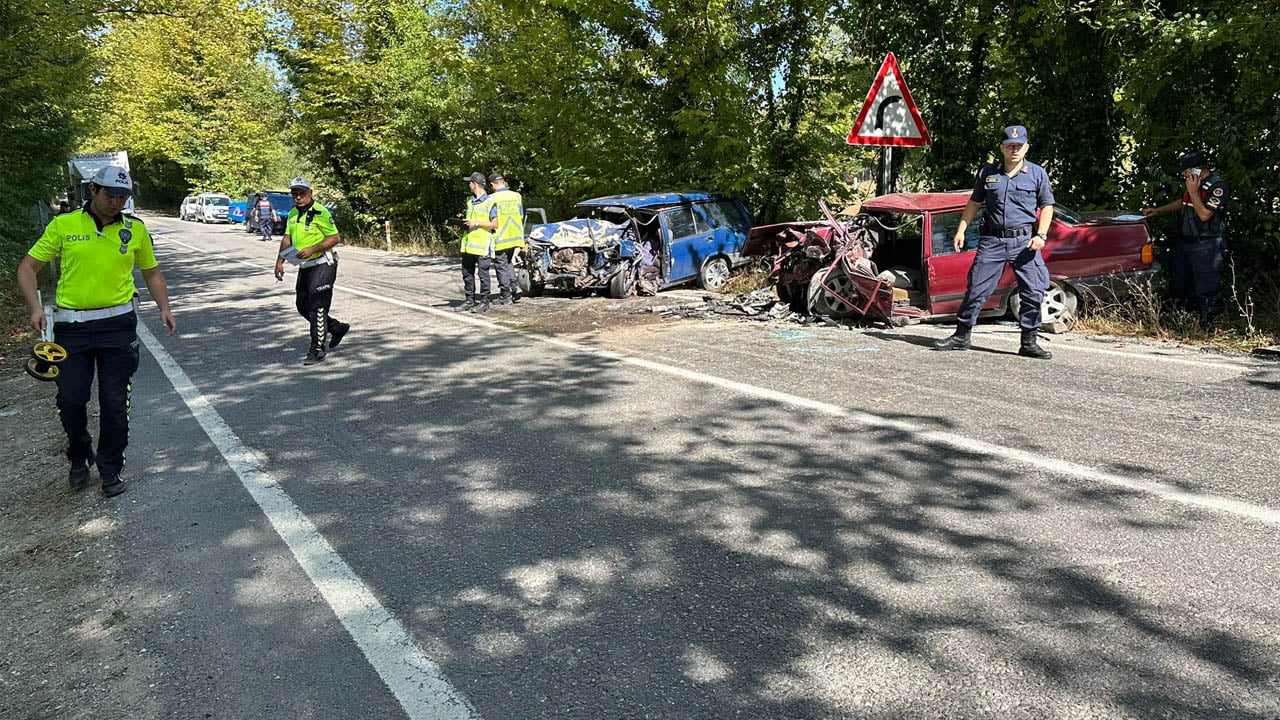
993	254
473	265
109	347
1197	272
505	270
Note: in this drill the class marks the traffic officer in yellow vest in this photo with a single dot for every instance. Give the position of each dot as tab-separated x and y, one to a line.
309	241
481	220
95	319
509	236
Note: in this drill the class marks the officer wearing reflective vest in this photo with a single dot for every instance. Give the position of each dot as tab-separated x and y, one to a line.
480	221
309	240
1017	205
1198	260
95	319
509	235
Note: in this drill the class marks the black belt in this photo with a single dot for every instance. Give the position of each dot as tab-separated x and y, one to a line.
1006	232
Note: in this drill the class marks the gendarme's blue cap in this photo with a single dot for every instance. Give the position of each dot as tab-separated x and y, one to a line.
1193	159
1014	134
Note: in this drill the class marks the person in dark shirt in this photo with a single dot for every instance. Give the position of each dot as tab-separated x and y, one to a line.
1201	253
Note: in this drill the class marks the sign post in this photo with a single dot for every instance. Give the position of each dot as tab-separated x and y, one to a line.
889	118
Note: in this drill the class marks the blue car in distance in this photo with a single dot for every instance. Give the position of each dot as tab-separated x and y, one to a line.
640	243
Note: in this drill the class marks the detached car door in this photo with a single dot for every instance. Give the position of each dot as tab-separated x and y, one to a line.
690	241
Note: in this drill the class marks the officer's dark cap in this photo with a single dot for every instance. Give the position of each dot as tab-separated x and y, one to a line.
1014	134
1193	159
476	177
496	177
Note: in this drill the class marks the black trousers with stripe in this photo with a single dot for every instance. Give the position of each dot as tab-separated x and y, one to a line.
313	296
108	347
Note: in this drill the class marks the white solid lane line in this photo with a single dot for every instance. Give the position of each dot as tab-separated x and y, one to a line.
417	682
1166	491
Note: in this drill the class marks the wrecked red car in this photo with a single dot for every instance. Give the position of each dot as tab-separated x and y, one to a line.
892	259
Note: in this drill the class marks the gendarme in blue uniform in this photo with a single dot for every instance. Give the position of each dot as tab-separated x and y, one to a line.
1010	205
1011	202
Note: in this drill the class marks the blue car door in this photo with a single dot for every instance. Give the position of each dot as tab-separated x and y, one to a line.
732	223
690	241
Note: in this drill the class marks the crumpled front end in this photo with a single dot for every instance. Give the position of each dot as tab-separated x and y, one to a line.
824	267
580	254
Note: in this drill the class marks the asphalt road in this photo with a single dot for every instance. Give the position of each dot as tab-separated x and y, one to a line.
572	509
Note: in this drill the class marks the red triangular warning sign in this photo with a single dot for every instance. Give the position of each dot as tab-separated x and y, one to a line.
889	115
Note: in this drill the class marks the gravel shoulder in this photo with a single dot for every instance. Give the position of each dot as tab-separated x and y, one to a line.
66	651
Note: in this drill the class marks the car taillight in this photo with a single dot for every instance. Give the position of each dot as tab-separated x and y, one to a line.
1148	253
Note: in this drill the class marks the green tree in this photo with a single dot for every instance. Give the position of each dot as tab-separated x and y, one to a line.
191	100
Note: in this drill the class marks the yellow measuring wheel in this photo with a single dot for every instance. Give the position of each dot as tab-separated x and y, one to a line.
45	356
49	352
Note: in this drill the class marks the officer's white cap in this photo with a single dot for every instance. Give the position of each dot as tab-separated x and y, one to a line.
299	182
114	179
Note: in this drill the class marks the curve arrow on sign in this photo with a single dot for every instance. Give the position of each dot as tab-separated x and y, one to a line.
885	106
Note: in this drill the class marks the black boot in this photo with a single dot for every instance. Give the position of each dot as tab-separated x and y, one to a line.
112	485
313	356
504	298
959	341
482	306
467	304
339	332
79	475
1029	346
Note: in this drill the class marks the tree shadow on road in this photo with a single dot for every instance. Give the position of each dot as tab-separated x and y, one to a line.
573	536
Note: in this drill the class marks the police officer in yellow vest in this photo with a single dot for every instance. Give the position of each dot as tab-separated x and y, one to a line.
509	235
95	319
310	232
477	244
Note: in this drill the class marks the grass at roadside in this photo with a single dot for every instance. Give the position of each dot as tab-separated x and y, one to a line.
1250	317
422	240
748	279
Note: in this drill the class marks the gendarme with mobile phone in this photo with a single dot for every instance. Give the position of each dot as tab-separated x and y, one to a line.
1201	253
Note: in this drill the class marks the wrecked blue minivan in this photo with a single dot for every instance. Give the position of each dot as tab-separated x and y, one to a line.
635	244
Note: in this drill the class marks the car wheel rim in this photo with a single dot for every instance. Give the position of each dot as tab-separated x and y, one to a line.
840	283
717	274
1054	305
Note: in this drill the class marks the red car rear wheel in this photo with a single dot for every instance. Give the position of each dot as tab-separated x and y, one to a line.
1060	304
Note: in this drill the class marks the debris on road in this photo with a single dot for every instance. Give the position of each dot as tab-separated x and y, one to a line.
760	305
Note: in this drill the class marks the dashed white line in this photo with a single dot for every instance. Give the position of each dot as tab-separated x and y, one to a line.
1172	493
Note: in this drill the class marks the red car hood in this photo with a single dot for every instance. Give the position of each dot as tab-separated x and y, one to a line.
763	239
